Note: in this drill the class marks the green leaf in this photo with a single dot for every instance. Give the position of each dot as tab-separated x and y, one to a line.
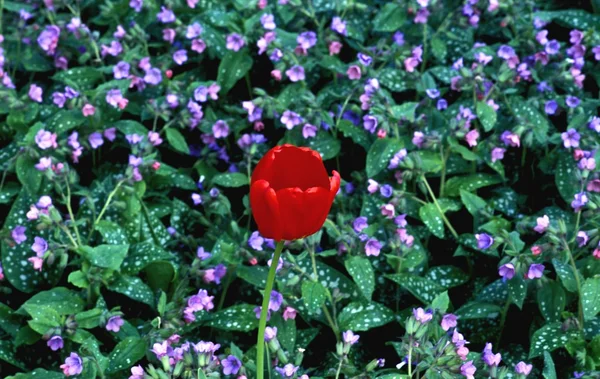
472	202
441	302
532	118
92	346
255	275
105	256
177	141
565	273
404	111
112	233
549	371
326	145
134	288
314	296
286	331
130	127
232	68
43	317
37	374
28	175
390	17
361	270
89	319
431	217
590	298
7	354
423	289
394	79
573	18
487	115
61	299
78	279
359	316
548	338
469	183
355	133
476	310
65	120
380	153
126	354
517	289
141	255
428	161
81	78
567	177
551	300
239	318
447	276
231	179
496	292
439	49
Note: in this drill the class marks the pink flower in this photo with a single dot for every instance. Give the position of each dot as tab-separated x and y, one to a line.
471	137
388	210
45	139
335	47
37	263
542	224
88	110
353	72
289	313
35	93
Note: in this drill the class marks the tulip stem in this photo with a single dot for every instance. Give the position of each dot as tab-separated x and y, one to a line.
262	323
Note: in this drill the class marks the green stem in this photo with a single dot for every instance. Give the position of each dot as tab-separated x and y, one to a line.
503	319
339	369
410	359
105	207
437	205
578	282
70	209
262	323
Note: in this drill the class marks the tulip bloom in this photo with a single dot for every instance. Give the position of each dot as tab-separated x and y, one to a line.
290	196
291	193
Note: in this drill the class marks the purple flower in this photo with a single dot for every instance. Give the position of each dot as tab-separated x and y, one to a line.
275	301
45	139
193	31
115	98
235	42
121	70
552	47
489	358
400	220
55	343
572	101
40	246
587	164
422	316
497	154
296	73
432	93
114	324
372	247
270	333
386	191
136	5
397	158
290	119
165	15
370	123
448	321
484	241
364	59
59	99
161	349
542	224
339	26
18	234
231	365
202	254
268	21
214	192
582	238
483	58
307	40
309	131
287	371
349	337
48	39
570	138
506	52
506	271
523	368
398	38
220	129
359	224
595	124
579	201
468	370
95	140
35	93
180	56
551	107
153	76
256	241
535	271
73	365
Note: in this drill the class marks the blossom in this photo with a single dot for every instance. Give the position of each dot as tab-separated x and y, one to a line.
45	139
275	301
235	42
507	271
153	76
550	107
116	99
295	73
535	271
114	324
449	321
373	186
471	137
595	124
270	333
18	234
231	365
290	119
309	131
339	26
95	140
422	316
35	93
121	70
484	241
497	154
349	337
193	31
489	358
165	15
289	313
40	246
542	224
268	21
137	372
388	210
372	247
523	368
287	371
570	138
306	40
582	238
73	365
468	370
353	72
359	224
55	343
160	349
48	39
180	56
580	200
370	123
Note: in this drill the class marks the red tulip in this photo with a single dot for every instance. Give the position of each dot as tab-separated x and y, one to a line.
291	193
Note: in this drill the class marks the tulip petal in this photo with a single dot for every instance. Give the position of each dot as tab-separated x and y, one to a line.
293	208
293	166
265	209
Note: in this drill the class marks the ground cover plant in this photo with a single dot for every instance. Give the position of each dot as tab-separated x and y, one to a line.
439	220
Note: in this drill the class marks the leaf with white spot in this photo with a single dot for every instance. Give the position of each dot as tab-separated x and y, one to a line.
567	177
112	233
29	176
441	302
232	68
548	338
61	299
590	298
7	354
314	296
549	369
43	318
239	318
572	18
38	373
231	179
326	145
141	255
472	202
551	300
105	256
361	270
255	275
359	316
423	289
565	273
134	288
329	277
486	115
432	219
126	354
517	289
470	183
496	293
91	346
394	79
476	310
